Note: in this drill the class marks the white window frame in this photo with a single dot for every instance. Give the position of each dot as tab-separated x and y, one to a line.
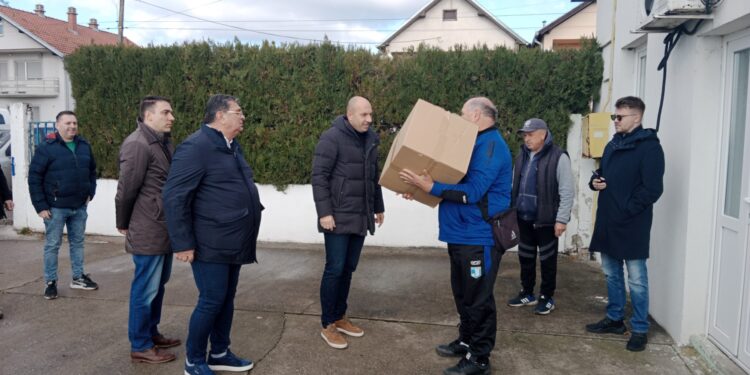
24	75
639	71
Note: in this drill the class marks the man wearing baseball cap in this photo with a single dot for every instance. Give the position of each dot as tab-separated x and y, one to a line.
543	195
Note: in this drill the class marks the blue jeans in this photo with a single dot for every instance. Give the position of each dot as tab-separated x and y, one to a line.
75	219
212	317
342	256
638	284
146	295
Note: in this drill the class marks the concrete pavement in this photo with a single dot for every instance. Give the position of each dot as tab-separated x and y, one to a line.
401	297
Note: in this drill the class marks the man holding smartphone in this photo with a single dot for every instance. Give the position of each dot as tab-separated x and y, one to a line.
633	164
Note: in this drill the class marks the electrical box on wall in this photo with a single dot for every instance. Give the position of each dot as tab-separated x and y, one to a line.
595	132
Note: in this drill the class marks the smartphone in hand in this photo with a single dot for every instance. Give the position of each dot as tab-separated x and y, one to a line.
596	175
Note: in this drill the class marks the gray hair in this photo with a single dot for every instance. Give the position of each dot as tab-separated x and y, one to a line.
217	103
484	105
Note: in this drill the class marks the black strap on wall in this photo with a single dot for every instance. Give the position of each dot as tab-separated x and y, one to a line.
669	42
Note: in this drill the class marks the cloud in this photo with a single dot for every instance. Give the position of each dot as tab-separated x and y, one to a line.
366	22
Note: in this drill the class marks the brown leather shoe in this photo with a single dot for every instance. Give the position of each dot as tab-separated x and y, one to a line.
164	342
153	355
344	325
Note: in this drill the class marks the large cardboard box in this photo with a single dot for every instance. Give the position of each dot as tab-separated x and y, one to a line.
434	140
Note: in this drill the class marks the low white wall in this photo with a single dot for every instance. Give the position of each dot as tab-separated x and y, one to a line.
290	215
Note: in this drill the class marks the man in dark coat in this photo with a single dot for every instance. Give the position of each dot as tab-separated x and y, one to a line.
62	182
6	199
213	214
145	156
629	183
349	203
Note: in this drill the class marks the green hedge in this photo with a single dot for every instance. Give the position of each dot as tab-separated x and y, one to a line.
291	93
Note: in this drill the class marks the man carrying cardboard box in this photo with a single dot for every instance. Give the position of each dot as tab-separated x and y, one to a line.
474	261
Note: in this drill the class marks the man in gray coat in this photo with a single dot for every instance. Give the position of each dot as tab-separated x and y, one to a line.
543	192
145	157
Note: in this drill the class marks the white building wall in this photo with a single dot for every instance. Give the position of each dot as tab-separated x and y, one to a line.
469	30
11	39
17	46
581	25
684	218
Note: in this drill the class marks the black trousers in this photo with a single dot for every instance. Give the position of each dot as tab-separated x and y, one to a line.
544	239
473	274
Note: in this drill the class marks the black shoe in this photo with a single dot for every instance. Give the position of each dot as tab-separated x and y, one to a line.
50	292
522	299
469	367
84	282
456	348
607	325
637	342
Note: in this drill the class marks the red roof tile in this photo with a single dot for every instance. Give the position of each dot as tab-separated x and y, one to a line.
57	33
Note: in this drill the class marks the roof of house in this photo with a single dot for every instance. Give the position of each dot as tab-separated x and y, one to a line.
578	9
56	34
480	11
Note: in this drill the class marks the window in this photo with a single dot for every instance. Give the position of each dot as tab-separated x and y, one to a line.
450	15
1	27
738	121
640	72
3	70
28	70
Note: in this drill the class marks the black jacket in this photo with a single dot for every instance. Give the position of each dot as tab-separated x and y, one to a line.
345	178
210	200
5	194
547	190
633	168
60	178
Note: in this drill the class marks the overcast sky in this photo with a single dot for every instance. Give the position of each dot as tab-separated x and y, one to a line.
367	23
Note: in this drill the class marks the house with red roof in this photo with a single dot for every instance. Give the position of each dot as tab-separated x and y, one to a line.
33	47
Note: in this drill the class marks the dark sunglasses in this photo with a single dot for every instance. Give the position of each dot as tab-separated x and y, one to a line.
618	117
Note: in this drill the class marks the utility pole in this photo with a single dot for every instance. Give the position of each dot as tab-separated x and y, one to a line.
120	22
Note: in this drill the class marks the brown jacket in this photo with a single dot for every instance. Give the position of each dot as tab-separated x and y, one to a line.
144	164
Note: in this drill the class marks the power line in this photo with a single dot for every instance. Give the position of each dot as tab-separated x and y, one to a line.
335	19
323	30
233	27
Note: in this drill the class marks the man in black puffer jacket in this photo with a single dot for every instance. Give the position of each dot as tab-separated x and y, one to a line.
349	202
62	181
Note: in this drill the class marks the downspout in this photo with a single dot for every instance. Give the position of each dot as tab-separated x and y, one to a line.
611	56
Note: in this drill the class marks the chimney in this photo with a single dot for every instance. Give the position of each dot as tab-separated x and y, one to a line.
39	10
72	22
93	24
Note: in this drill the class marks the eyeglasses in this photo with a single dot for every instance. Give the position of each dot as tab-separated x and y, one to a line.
236	112
619	117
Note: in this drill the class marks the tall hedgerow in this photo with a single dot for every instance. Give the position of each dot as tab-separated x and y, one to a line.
290	93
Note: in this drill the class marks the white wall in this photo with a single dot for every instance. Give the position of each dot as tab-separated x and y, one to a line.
468	30
577	236
12	39
290	215
684	218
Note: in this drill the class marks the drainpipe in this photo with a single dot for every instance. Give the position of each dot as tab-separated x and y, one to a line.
611	56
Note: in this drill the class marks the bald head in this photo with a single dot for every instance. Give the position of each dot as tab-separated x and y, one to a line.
480	111
359	113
